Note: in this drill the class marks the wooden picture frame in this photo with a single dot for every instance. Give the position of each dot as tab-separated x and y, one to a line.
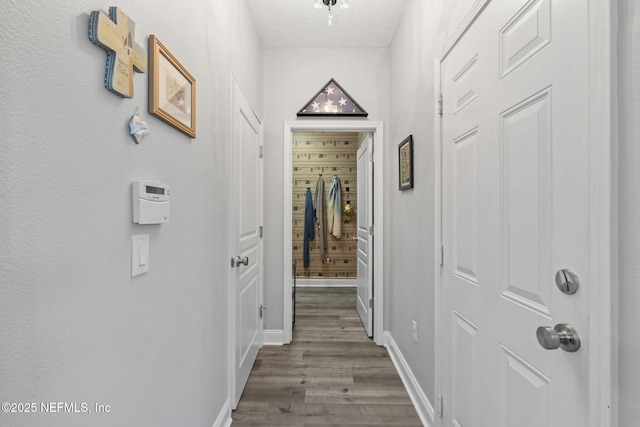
172	90
405	163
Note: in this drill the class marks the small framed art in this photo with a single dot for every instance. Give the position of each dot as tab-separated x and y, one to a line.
172	90
405	163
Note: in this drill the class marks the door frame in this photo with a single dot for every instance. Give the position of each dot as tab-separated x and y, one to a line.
377	129
231	246
603	302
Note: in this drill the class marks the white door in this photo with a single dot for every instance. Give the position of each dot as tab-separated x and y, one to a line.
515	211
246	242
364	211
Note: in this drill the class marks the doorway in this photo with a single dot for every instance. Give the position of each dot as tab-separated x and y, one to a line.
332	214
376	130
325	159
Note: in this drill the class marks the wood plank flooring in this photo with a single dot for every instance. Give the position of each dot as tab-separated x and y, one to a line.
331	374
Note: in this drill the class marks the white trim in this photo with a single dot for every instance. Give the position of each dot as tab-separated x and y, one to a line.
273	336
603	366
304	282
287	307
603	323
474	11
377	128
420	401
224	416
437	241
231	298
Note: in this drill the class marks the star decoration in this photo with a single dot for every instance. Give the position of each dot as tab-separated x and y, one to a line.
332	100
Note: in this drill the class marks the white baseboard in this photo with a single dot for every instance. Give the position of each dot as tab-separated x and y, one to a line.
418	397
224	417
304	282
273	337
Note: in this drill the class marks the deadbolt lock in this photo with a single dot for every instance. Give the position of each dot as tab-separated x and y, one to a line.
567	281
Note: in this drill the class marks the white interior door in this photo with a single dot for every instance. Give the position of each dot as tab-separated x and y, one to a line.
364	211
515	211
247	244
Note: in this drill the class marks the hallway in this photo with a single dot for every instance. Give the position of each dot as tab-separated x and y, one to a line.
331	373
524	116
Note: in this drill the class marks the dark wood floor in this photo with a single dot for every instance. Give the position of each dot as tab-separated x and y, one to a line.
332	374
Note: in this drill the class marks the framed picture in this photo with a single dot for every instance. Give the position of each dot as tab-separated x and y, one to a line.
405	163
172	90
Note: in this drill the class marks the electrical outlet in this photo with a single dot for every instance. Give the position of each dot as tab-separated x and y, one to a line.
414	330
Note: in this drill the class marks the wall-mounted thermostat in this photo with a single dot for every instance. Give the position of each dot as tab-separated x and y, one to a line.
150	202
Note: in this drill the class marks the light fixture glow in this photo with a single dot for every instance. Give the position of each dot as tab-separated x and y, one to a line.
330	3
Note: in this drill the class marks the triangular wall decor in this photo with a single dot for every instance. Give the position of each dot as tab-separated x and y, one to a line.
332	100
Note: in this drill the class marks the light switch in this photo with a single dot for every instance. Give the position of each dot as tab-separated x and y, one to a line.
139	255
142	257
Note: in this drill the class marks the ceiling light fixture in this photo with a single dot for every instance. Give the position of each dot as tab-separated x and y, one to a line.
329	3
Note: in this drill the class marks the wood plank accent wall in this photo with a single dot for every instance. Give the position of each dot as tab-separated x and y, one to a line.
329	154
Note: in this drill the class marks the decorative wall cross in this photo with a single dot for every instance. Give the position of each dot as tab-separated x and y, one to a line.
116	34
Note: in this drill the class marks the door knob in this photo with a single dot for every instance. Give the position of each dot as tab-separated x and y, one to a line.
561	336
240	261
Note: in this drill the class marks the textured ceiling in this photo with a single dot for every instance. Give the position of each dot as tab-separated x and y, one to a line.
296	23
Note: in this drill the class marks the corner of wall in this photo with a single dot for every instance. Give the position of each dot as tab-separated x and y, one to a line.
224	416
418	397
273	337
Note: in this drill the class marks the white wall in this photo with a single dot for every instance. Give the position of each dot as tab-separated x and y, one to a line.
291	78
410	254
74	326
629	217
246	53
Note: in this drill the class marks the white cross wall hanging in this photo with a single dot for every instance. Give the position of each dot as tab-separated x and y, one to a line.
116	34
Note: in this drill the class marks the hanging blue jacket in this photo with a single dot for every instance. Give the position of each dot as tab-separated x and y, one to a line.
309	230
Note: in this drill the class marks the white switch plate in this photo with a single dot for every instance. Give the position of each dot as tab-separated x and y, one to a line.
139	255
